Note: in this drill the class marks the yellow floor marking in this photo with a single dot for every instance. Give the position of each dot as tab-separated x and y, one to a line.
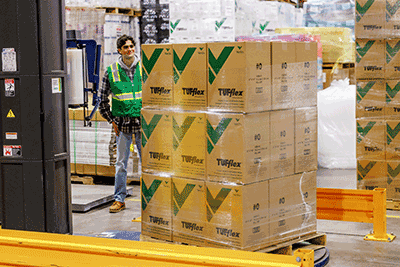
392	216
138	219
134	199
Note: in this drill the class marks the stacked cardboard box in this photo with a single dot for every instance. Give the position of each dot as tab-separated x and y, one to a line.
93	148
221	134
378	82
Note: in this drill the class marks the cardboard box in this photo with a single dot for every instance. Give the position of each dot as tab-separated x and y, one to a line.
237	215
306	136
157	75
370	139
282	143
189	144
239	76
392	67
392	25
370	169
188	211
370	19
156	141
392	109
284	74
238	147
370	59
293	206
370	99
156	206
371	184
306	90
393	179
392	139
190	76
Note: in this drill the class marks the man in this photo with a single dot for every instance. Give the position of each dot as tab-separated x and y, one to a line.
122	80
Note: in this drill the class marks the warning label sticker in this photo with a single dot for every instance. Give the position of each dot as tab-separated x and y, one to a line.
56	85
11	136
10	87
10	114
12	151
9	59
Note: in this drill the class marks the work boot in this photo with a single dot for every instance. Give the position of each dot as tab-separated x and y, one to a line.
117	207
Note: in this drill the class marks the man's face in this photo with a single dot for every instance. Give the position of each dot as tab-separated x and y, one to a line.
127	50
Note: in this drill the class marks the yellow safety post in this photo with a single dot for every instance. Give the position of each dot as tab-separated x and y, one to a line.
350	205
25	248
379	233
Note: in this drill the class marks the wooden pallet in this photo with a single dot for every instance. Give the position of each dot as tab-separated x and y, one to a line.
338	65
393	204
87	180
310	241
122	11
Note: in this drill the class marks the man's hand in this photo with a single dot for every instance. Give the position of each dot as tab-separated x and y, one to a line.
115	128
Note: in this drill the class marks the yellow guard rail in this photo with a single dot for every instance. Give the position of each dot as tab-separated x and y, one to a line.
364	206
23	248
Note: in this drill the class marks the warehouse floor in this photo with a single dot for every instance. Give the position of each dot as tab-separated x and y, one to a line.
344	239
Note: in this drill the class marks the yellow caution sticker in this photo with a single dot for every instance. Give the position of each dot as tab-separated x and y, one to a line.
10	114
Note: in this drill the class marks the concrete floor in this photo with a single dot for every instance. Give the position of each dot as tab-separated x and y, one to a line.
344	239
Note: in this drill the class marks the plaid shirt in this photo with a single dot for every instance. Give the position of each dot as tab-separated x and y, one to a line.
125	124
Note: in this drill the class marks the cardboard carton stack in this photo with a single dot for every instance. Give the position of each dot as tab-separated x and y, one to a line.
377	33
229	154
93	148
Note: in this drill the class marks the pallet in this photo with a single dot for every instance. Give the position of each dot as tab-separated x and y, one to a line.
283	1
310	241
393	204
314	241
338	65
86	180
122	11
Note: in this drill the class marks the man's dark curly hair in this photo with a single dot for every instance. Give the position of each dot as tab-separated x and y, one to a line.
121	41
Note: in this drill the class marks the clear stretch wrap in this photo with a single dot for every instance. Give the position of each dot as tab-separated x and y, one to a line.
337	43
228	215
219	168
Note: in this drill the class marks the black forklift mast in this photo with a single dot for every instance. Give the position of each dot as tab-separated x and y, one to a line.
35	190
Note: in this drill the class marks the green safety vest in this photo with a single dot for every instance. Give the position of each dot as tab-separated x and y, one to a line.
126	94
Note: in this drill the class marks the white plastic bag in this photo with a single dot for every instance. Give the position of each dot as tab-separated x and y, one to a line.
337	126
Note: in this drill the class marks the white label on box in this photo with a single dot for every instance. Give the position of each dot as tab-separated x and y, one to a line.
56	85
9	59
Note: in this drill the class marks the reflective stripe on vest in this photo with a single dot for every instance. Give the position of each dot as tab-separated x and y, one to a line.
123	97
115	72
138	95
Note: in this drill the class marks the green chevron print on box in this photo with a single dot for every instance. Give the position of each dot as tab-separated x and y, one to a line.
362	132
363	91
213	204
148	64
180	198
361	10
391	10
362	51
180	131
147	129
173	25
180	64
391	51
362	172
148	193
392	133
393	173
218	24
391	92
263	26
215	134
216	64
